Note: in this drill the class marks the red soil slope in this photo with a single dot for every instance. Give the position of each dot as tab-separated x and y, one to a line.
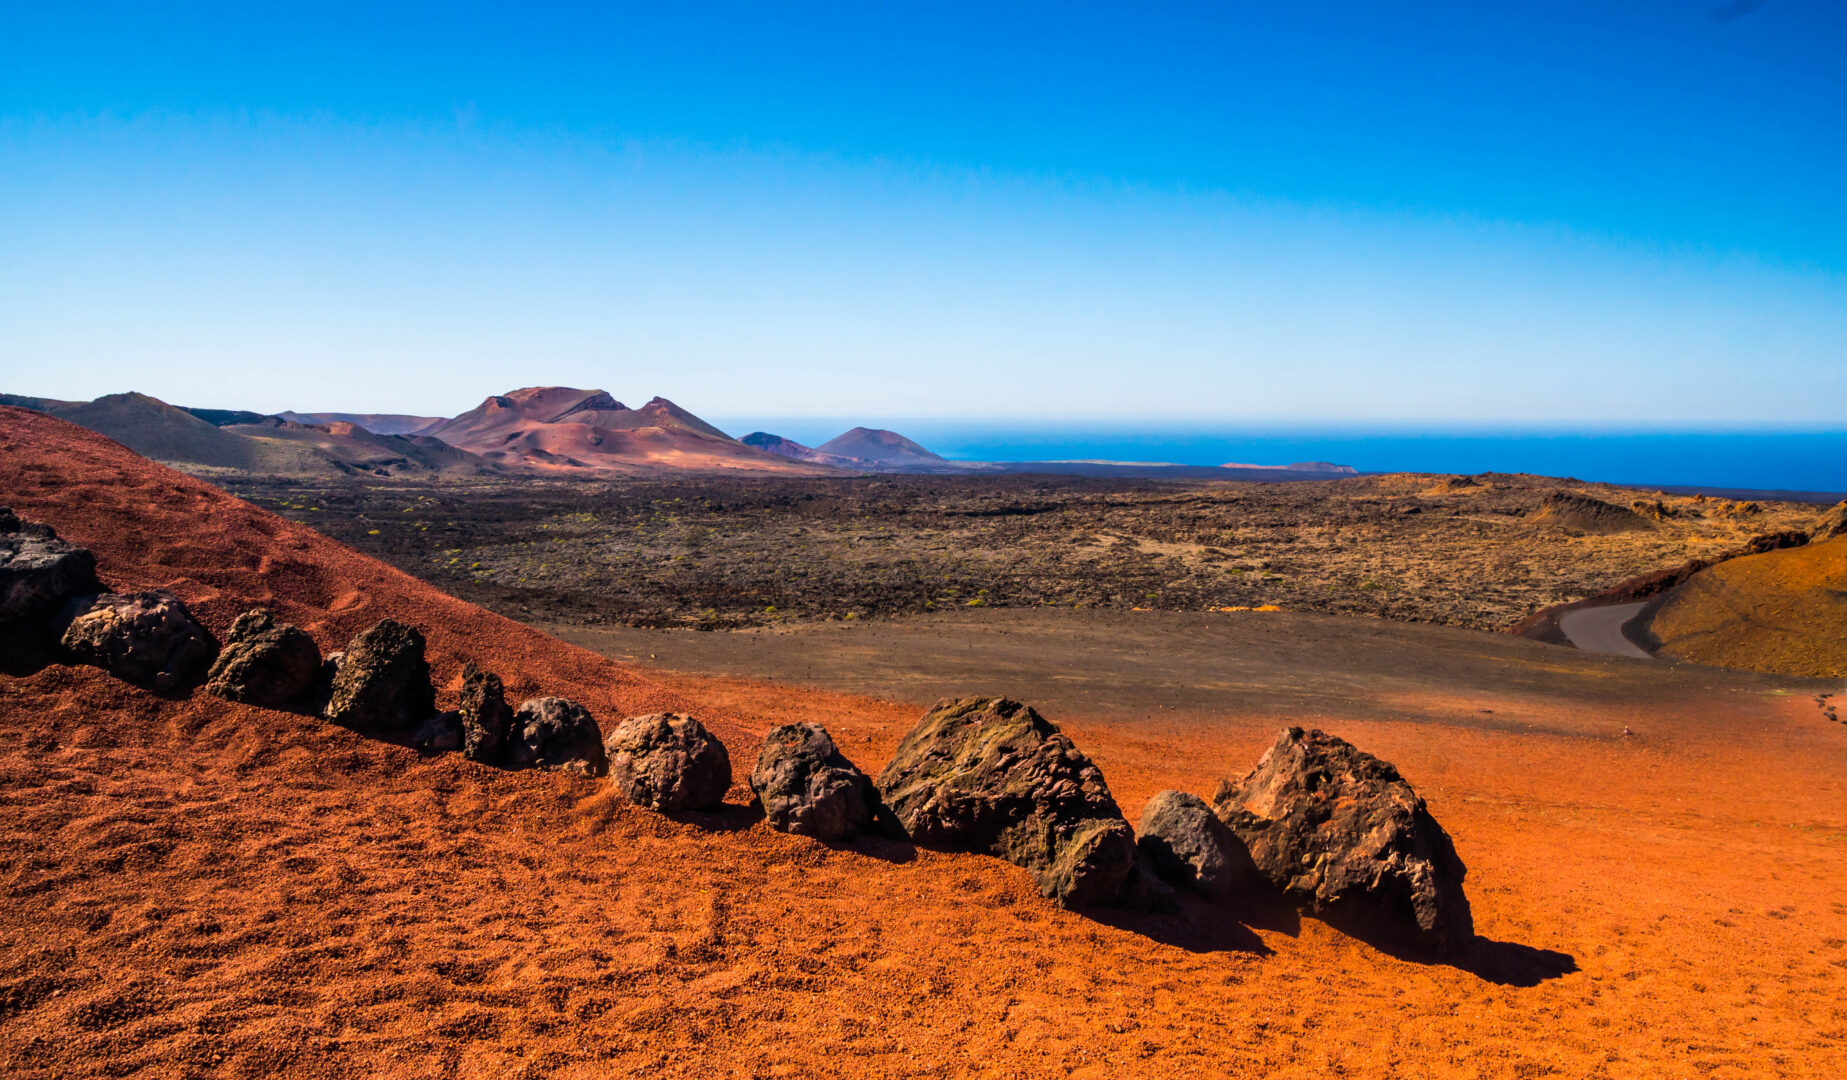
1779	611
196	888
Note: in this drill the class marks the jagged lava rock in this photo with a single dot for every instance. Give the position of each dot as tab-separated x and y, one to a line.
808	788
266	663
38	571
992	775
1186	843
486	717
382	682
1340	832
668	762
556	733
146	638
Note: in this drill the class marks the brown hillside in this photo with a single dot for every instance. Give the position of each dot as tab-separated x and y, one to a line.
1782	611
366	452
1576	510
163	432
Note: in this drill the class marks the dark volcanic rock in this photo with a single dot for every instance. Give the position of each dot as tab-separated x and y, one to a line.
439	734
556	733
146	638
807	787
486	719
265	663
38	571
990	774
1182	839
1339	831
382	682
669	762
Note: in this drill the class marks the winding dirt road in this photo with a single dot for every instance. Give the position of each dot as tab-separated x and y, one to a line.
1600	629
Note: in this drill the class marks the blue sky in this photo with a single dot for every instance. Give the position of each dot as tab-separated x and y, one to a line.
1213	213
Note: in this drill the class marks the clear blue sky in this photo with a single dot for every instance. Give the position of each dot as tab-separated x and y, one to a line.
1546	211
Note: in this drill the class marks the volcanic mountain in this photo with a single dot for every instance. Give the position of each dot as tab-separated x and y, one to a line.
376	423
886	448
559	429
209	440
789	448
352	446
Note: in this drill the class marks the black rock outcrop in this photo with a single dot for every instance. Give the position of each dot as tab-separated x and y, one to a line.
265	662
38	571
146	638
486	718
382	682
992	775
668	762
1342	834
555	733
1187	844
808	788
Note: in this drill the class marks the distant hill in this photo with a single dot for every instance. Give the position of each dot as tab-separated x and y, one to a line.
1573	510
226	417
39	404
162	432
884	448
376	423
789	448
359	450
252	443
559	429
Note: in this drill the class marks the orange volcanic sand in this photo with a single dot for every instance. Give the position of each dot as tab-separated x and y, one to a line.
1780	611
198	888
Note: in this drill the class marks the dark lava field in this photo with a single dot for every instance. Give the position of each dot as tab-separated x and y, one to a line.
728	552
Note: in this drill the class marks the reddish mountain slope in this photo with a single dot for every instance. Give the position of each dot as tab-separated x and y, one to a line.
153	527
567	431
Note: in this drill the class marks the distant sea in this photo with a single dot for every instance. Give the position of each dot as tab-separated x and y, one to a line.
1747	458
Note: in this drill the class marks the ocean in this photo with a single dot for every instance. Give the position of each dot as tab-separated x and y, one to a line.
1766	459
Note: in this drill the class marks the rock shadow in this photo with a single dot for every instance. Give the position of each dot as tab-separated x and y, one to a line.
725	818
1504	963
1191	922
27	648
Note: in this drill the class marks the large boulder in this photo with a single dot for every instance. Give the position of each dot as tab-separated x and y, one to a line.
265	662
992	775
146	638
1341	833
556	733
38	571
668	762
382	682
808	788
486	718
1187	844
